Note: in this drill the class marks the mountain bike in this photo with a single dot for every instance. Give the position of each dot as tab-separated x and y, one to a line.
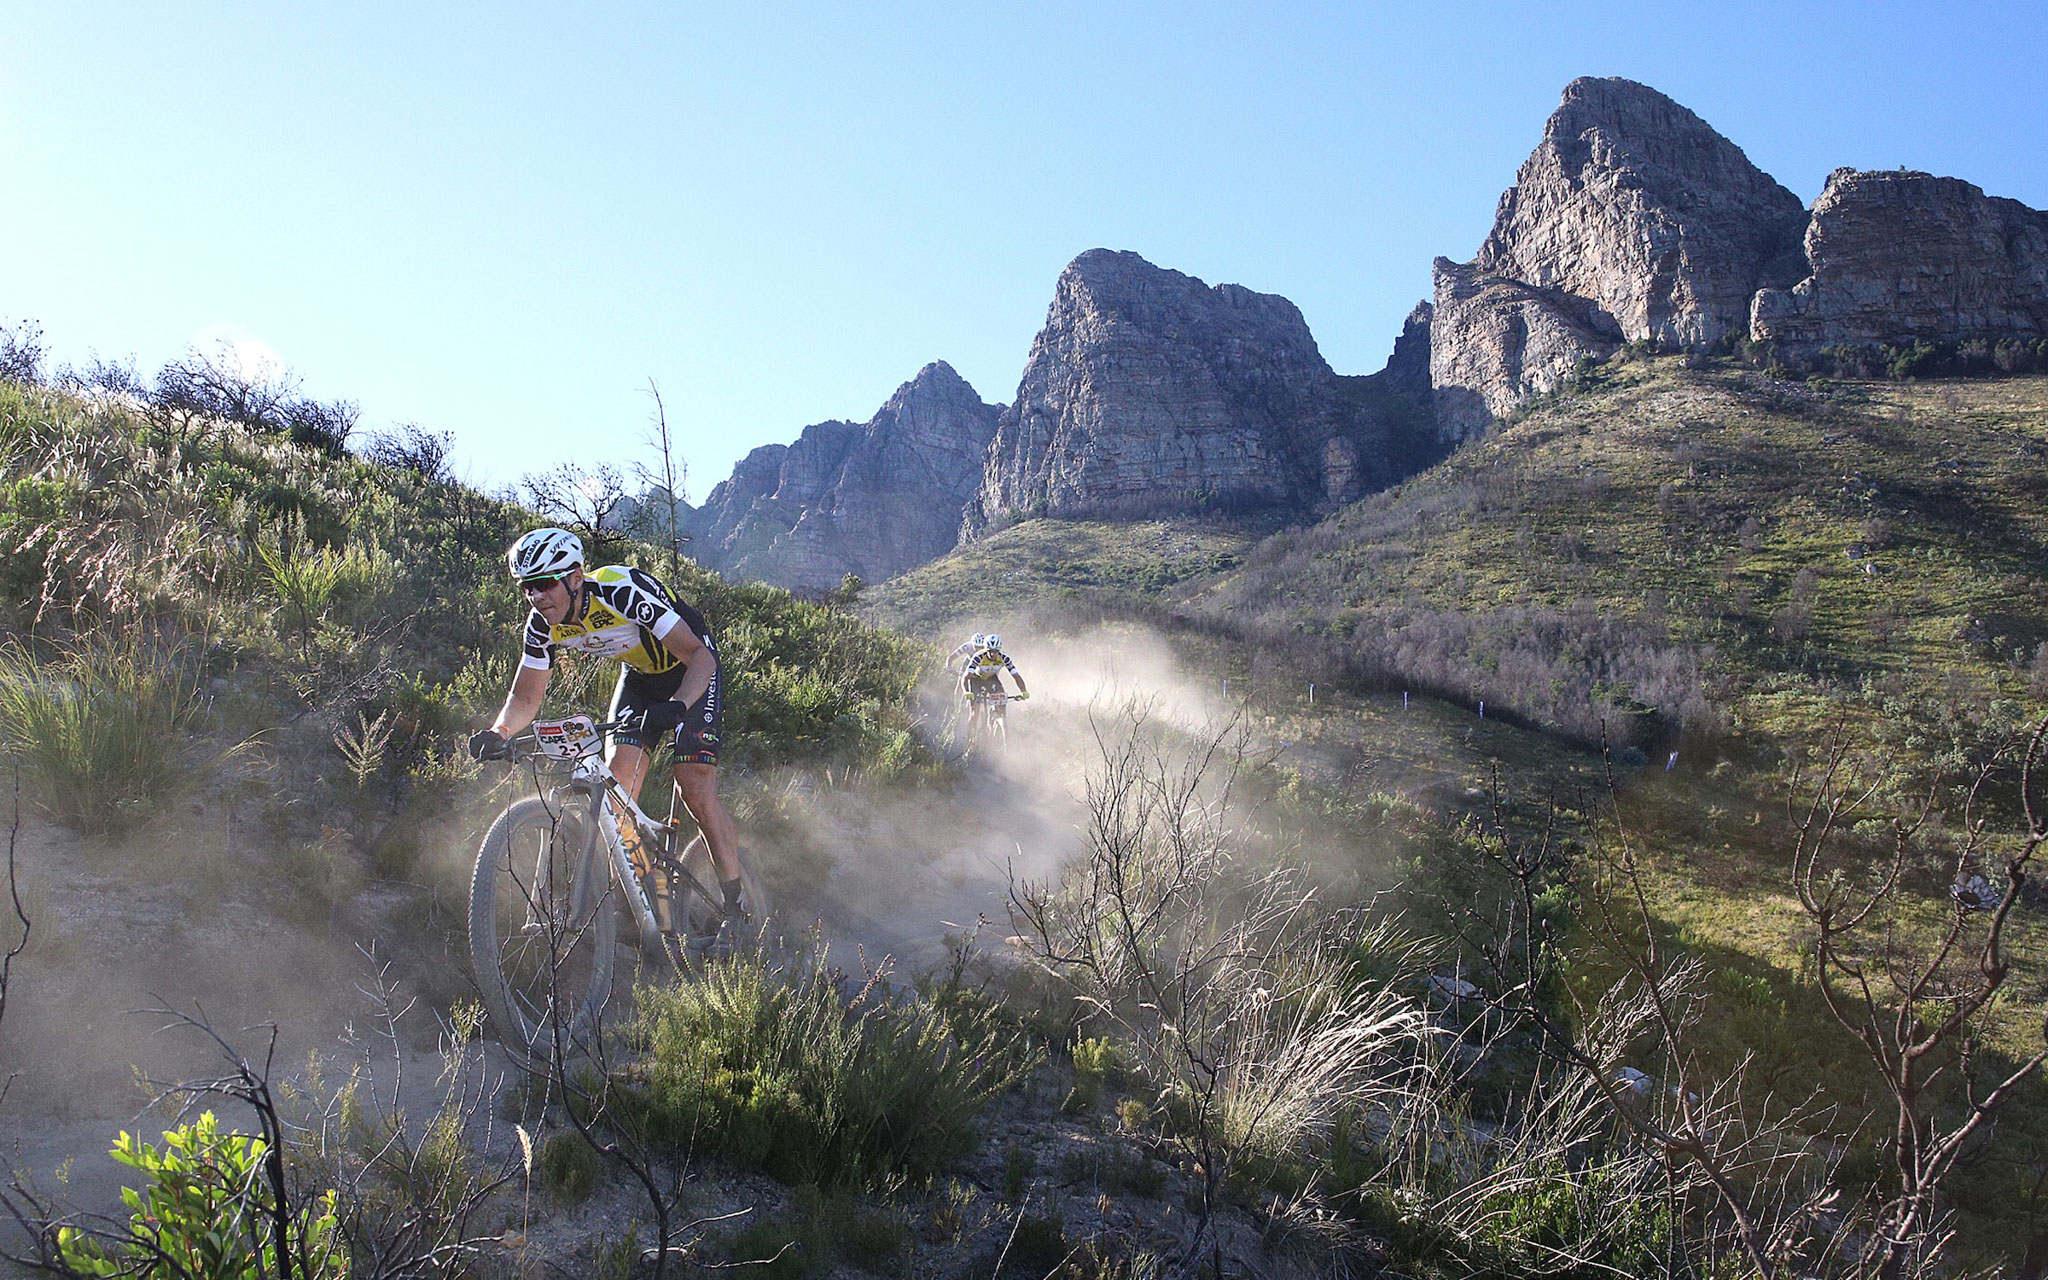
988	718
555	872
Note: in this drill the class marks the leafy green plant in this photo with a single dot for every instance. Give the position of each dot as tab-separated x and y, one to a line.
99	727
566	1165
1094	1059
777	1071
1552	1221
210	1208
362	747
309	583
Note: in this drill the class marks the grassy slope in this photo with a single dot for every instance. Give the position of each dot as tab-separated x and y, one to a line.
1682	506
1051	566
295	600
1867	558
1755	560
1804	547
1762	562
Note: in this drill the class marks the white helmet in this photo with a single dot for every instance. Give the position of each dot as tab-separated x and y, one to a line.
980	640
545	552
994	641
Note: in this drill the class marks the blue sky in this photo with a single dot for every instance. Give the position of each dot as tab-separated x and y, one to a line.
502	220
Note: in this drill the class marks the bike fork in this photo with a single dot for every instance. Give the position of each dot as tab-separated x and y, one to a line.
628	879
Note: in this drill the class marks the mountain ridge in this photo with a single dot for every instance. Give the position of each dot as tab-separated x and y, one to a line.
1149	393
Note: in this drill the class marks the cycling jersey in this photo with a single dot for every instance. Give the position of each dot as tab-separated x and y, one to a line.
625	615
990	663
965	650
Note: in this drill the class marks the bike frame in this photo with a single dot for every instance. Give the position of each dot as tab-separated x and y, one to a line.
991	709
579	741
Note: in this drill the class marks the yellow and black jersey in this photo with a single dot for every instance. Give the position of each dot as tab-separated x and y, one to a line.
626	613
988	664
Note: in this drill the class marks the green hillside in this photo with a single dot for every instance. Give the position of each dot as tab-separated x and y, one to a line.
1664	556
1689	562
1700	554
1052	567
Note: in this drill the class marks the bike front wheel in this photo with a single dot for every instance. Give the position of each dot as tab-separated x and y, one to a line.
542	924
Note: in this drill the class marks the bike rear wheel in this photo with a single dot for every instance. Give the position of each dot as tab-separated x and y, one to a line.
697	907
542	923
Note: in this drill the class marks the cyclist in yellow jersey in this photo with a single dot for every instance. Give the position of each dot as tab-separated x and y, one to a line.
983	676
985	668
669	677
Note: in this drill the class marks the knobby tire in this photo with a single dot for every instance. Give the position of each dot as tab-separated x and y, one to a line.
543	967
696	915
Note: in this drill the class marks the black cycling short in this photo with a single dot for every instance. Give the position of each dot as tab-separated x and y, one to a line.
974	686
696	738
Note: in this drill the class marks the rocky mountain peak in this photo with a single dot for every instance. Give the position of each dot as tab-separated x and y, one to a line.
1633	220
1637	204
1118	287
871	499
1149	389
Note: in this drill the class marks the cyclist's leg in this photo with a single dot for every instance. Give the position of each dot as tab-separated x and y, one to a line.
697	743
976	690
630	752
629	766
698	784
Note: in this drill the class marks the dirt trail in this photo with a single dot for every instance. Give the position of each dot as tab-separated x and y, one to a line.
182	916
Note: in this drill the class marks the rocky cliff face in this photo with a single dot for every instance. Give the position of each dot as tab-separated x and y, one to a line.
1498	342
1631	221
871	499
1149	390
1899	256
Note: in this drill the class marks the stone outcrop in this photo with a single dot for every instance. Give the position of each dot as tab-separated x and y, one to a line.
870	499
1899	256
1499	342
1148	390
1632	221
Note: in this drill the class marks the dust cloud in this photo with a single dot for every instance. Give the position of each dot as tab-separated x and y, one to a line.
205	912
899	872
183	916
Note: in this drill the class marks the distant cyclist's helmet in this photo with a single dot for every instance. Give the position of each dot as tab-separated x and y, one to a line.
980	640
994	641
545	553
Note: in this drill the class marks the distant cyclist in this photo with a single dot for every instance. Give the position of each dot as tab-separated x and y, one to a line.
966	650
983	676
668	676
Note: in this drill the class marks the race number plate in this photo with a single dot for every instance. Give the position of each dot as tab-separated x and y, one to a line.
570	739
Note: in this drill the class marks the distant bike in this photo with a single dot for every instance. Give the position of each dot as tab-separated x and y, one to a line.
555	872
988	719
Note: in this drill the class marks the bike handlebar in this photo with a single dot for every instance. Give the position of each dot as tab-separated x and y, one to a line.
523	746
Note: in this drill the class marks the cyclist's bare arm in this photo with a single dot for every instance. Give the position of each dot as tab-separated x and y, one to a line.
700	663
522	704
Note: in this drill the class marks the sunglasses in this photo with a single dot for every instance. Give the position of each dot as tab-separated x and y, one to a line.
542	583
